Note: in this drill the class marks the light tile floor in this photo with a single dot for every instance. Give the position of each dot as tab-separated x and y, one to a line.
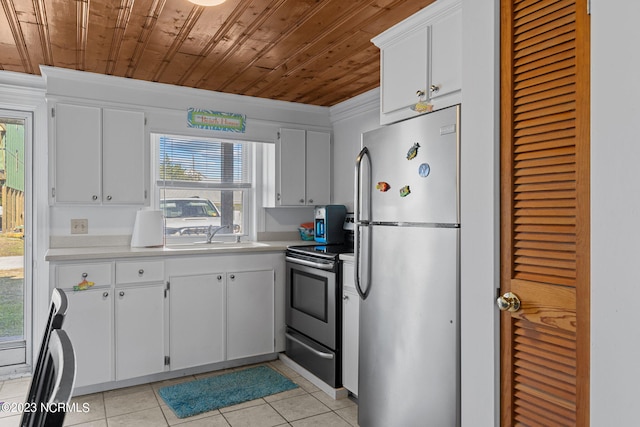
141	406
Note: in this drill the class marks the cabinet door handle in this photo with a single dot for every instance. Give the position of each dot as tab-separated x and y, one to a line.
345	297
121	293
233	276
219	278
140	272
105	294
109	197
94	197
310	200
85	275
434	88
301	200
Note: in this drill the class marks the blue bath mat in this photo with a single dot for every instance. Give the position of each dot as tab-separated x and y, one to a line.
207	394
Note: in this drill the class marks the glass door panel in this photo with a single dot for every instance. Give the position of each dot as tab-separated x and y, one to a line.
13	293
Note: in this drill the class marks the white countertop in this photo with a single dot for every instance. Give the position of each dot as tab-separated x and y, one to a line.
115	252
346	257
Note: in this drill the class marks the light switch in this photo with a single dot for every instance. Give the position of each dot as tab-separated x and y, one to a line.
79	226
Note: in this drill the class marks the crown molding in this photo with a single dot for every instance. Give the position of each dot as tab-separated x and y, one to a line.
420	19
361	104
64	83
22	81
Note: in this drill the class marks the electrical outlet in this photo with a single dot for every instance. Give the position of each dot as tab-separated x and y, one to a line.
79	226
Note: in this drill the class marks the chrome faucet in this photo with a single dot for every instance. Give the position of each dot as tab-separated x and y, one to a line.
212	231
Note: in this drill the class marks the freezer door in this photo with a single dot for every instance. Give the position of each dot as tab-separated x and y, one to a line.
409	330
415	169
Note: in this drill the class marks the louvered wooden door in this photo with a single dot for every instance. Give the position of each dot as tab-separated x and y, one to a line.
545	212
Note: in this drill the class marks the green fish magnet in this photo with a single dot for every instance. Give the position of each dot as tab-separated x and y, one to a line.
413	151
405	191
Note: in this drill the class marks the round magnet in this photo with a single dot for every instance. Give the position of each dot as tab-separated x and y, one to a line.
424	170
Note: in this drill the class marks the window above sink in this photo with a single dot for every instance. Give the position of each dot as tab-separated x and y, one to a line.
203	185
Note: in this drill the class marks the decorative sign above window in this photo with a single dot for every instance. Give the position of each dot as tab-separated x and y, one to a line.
215	120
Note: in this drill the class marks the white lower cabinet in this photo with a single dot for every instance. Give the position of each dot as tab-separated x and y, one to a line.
350	329
89	323
220	316
139	320
138	336
147	316
196	319
225	307
116	326
250	313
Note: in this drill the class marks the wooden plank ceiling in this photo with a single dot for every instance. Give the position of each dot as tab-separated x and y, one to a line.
310	51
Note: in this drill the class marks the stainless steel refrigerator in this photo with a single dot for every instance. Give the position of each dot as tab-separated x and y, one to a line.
407	239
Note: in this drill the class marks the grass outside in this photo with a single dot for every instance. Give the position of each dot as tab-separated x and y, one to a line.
11	290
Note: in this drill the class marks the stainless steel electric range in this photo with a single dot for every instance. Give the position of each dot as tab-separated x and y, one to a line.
314	309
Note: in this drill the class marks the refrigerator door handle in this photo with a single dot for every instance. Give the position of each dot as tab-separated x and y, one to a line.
360	223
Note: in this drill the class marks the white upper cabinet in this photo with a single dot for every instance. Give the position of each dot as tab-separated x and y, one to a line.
77	166
446	55
291	153
100	156
404	70
302	163
421	60
318	176
123	157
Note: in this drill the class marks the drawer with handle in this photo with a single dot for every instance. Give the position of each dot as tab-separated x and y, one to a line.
139	271
72	275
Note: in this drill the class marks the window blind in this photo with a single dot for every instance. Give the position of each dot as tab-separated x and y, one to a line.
202	162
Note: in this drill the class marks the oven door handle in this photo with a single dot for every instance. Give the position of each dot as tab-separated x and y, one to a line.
308	347
321	266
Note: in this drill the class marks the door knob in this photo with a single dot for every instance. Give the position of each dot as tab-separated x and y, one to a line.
508	302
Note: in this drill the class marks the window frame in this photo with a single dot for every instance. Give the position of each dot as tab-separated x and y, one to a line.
249	211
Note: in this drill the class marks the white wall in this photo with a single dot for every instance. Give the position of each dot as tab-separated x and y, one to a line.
615	212
350	119
480	212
